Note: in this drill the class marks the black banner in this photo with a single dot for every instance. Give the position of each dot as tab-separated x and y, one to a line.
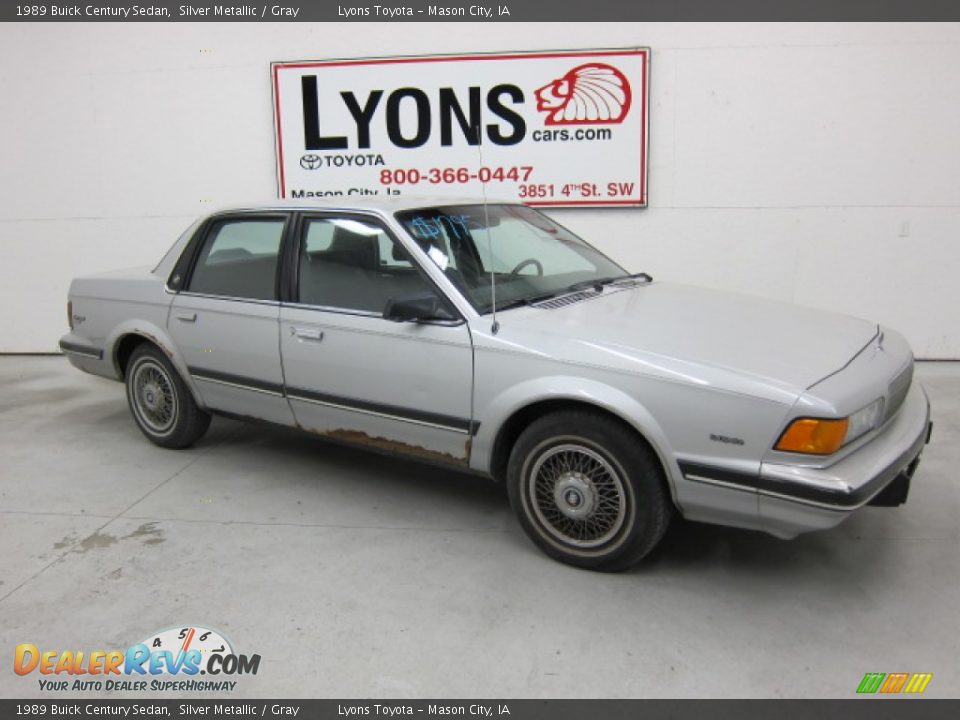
498	11
860	709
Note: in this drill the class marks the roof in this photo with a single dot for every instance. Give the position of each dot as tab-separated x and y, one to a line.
380	203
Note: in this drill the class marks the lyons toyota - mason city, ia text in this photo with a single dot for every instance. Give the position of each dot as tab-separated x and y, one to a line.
475	11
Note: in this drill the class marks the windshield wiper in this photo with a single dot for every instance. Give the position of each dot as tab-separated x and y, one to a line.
600	282
595	284
529	300
647	277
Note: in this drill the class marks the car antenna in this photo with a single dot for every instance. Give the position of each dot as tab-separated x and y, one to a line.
495	327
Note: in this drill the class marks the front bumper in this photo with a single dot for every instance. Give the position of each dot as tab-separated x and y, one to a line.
796	499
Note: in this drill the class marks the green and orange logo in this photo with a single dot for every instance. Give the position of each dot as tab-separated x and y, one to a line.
891	683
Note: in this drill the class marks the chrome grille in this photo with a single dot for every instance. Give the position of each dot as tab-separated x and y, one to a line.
897	392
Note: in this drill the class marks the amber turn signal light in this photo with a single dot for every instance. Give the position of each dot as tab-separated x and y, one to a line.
813	436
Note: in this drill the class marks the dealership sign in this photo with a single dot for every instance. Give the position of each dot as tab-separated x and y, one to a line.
546	128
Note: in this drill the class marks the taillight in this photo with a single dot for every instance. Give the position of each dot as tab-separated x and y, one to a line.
70	313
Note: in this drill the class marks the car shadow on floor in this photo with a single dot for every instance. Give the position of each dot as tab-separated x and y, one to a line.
443	482
687	547
827	556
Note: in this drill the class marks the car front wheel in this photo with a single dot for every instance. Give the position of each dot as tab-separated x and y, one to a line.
160	402
588	490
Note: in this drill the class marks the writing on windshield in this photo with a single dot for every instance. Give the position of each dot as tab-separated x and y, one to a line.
424	227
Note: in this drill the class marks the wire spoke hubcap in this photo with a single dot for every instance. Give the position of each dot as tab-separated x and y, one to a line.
577	495
153	396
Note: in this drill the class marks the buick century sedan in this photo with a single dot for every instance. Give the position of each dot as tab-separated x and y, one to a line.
488	337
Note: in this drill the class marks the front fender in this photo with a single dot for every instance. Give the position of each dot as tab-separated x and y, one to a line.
558	387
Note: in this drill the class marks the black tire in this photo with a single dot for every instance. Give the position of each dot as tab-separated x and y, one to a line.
588	490
160	402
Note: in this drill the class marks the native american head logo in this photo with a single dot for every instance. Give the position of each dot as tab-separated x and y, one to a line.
591	94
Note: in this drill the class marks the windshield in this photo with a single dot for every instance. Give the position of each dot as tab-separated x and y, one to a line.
530	256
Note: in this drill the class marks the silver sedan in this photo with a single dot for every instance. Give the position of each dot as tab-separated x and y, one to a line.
488	337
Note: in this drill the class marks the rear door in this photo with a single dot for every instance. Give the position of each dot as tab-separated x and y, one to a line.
351	374
226	320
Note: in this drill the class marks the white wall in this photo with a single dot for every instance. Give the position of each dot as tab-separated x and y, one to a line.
816	163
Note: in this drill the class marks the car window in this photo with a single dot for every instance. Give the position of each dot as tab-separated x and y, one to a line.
387	257
319	236
509	252
519	250
239	259
353	264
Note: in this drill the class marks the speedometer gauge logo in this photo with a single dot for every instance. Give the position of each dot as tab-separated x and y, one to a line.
181	640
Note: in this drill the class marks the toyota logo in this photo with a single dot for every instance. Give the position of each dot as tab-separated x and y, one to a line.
310	162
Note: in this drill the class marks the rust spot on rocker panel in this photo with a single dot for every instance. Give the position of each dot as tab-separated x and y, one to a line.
355	437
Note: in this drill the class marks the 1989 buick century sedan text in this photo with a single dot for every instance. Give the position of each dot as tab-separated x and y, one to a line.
489	337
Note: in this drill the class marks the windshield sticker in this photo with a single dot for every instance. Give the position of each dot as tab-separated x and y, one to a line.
430	228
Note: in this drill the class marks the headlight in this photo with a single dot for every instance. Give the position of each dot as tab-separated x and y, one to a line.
820	436
865	420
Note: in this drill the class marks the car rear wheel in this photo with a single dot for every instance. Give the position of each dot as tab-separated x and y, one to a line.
160	402
588	490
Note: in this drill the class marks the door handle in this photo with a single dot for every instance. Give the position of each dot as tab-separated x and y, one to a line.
305	334
187	317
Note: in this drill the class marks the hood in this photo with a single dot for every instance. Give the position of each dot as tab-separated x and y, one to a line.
677	329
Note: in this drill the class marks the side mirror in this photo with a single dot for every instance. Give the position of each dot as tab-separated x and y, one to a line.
420	307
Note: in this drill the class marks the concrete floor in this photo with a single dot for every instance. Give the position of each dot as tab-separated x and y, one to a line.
353	575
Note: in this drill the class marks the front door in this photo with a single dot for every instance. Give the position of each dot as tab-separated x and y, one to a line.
352	375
